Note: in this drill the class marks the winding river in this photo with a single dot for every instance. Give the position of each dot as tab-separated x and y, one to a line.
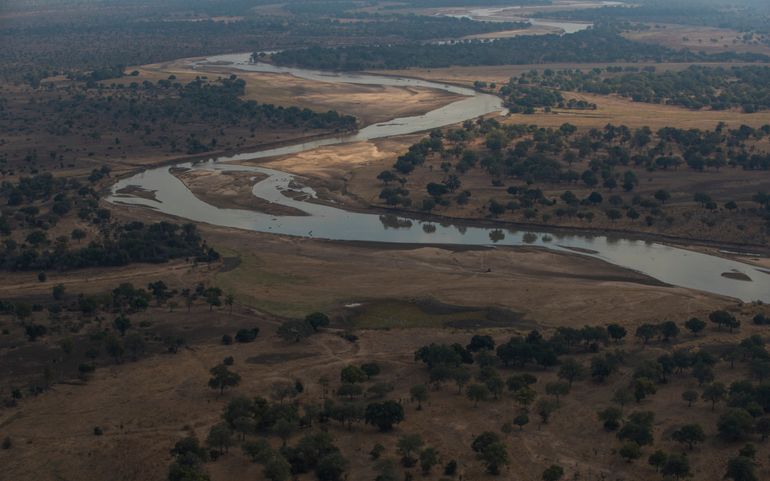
668	264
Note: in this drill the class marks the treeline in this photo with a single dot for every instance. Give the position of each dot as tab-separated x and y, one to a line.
559	175
124	244
597	45
33	51
36	205
743	18
718	88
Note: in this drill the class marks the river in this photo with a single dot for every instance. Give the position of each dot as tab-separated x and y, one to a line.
668	264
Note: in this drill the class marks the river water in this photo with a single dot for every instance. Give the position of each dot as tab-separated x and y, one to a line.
668	264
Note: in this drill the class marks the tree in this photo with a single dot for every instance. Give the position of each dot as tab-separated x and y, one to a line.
429	457
57	292
544	409
690	397
477	392
277	468
703	373
294	330
553	473
689	434
283	428
735	424
630	451
657	459
491	451
662	196
669	329
408	445
714	392
646	332
525	396
521	420
220	437
350	390
616	332
317	320
222	378
384	415
571	370
677	466
246	335
763	427
230	301
331	467
122	324
114	348
371	369
695	325
557	389
495	385
741	469
622	397
480	343
461	376
611	417
724	318
352	374
638	428
135	345
419	393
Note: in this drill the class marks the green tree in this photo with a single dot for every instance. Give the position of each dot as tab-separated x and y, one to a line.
690	397
741	469
419	393
122	324
477	392
371	369
735	424
384	415
222	378
557	389
317	320
352	374
657	460
553	473
695	325
277	468
714	392
571	370
331	467
220	438
407	446
429	457
630	451
689	434
521	420
545	408
676	466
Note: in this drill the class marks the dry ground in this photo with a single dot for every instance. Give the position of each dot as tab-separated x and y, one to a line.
369	103
699	39
145	406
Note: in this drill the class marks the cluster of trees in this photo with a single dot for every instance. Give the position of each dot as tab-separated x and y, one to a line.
594	45
611	158
295	330
118	337
696	87
150	33
120	245
749	16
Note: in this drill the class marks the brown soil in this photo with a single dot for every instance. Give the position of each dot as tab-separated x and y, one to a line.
699	39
